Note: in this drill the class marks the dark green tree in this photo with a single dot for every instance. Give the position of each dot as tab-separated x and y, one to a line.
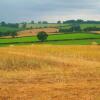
59	22
13	34
42	36
76	28
44	22
39	22
3	23
32	22
24	25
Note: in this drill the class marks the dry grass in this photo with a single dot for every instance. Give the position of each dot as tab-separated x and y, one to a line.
33	32
45	72
98	32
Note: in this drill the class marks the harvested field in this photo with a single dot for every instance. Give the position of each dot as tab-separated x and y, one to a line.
96	32
33	32
46	72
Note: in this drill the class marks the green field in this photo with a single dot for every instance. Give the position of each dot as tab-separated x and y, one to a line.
74	42
89	25
45	25
7	29
64	26
60	25
71	38
75	38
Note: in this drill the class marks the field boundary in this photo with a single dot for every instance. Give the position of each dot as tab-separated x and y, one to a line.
57	33
49	41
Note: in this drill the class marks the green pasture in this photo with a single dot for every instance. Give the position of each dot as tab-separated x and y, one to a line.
75	38
7	29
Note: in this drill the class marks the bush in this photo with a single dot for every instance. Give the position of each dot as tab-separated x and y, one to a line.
12	33
91	29
42	36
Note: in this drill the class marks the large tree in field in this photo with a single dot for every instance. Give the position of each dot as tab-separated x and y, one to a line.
42	36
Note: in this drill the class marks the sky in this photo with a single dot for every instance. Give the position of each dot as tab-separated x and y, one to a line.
50	10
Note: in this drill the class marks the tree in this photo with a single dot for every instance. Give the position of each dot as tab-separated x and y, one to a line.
14	25
59	22
13	34
39	22
24	25
42	36
73	28
44	22
76	28
32	22
1	34
3	23
80	21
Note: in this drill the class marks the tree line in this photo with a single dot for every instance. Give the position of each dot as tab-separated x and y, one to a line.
79	21
12	33
13	25
77	28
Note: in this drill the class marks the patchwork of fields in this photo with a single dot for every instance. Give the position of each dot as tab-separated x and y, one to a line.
33	32
75	38
28	36
38	71
49	72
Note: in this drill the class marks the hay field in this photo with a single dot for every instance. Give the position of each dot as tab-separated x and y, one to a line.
46	72
33	32
98	32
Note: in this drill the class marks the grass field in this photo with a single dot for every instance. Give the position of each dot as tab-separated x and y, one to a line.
89	25
56	38
49	72
63	25
46	25
75	42
35	26
60	25
80	38
7	29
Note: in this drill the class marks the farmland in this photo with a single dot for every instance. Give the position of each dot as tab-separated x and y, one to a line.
43	72
6	29
59	25
75	38
39	26
89	25
33	32
50	70
62	25
54	25
49	50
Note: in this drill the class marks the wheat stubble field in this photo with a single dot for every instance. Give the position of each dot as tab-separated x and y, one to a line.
46	72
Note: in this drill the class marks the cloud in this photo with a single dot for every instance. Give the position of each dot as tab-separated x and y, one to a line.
52	10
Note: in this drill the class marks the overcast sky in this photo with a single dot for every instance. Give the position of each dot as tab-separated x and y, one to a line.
51	10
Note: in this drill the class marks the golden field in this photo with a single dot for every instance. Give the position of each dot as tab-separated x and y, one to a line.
33	32
46	72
